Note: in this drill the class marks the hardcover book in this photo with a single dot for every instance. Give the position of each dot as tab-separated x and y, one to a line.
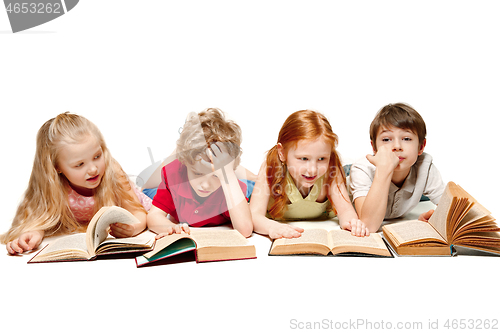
336	242
459	223
207	244
96	241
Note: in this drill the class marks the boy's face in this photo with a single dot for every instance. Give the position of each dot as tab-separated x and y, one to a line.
402	142
202	179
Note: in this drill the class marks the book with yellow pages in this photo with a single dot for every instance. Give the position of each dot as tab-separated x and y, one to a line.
96	241
336	242
459	225
207	244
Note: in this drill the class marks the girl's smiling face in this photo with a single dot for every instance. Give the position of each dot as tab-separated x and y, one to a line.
306	162
82	164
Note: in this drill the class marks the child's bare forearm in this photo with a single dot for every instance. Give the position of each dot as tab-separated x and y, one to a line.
262	224
372	208
239	211
158	221
139	227
242	219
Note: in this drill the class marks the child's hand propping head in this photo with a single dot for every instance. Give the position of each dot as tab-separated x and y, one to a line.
384	158
220	157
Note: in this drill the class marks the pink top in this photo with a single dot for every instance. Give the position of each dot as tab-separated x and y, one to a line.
83	207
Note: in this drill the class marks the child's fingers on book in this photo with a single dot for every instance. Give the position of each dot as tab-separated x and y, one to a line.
15	247
290	232
119	232
275	234
161	235
426	216
362	232
185	227
177	229
119	225
10	249
114	231
119	235
22	243
357	227
125	227
27	241
34	242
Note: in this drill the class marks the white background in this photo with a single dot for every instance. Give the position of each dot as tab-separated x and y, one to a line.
136	68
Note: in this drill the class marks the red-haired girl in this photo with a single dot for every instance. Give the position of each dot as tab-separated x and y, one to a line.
302	178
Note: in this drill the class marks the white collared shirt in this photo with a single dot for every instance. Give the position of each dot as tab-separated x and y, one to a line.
423	179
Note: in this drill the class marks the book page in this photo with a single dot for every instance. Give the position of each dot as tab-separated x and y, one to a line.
482	236
97	230
486	241
440	217
65	248
456	210
144	240
413	231
164	242
76	241
315	236
345	238
476	215
217	237
311	241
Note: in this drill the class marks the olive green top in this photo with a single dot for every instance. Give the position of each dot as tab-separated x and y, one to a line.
301	208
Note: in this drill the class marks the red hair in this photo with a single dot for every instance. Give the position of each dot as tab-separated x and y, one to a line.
301	125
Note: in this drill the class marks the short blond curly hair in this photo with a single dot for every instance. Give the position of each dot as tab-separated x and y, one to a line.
202	129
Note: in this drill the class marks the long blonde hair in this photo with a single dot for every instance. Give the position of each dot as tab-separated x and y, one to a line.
300	125
44	205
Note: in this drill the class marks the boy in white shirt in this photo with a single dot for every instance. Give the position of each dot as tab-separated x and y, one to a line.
391	182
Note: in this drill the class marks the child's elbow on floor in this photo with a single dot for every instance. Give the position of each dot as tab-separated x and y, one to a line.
246	232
